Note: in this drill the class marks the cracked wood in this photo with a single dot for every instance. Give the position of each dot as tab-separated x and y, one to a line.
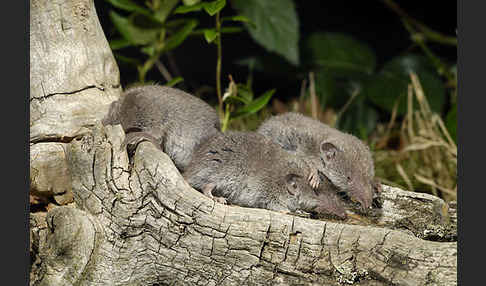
155	229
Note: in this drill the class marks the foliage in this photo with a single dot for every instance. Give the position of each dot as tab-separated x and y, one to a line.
147	27
275	25
347	79
240	102
342	83
155	30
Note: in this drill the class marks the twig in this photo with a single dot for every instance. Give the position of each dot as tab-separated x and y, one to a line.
172	64
410	113
384	139
402	173
313	96
393	118
301	107
433	184
350	100
419	40
218	64
429	33
163	70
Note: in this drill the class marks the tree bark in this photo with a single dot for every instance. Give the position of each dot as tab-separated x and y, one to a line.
73	73
73	78
135	221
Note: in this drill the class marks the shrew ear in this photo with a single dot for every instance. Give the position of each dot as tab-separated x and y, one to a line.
292	183
329	150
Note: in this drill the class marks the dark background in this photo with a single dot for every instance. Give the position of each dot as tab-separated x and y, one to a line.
368	21
471	81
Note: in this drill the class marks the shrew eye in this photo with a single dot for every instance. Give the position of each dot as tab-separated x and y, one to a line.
349	178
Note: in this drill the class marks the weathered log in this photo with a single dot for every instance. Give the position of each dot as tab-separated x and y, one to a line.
73	78
49	174
137	222
73	73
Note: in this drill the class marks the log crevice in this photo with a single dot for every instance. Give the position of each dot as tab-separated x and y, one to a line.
156	229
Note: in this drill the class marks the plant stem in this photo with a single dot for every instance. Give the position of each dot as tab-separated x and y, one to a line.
442	69
429	33
354	93
226	118
172	64
163	70
218	64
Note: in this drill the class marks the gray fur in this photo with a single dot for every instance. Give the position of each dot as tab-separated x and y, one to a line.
344	159
172	119
248	169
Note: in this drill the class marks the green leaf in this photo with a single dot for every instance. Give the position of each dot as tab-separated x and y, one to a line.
126	60
130	6
391	84
191	8
174	81
454	70
403	65
328	91
242	95
272	64
210	7
277	25
178	37
190	2
253	106
214	7
148	50
130	32
340	54
210	35
117	44
234	99
164	10
245	92
451	122
224	30
238	18
146	22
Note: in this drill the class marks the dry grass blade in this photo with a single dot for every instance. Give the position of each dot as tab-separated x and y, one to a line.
446	134
404	175
313	97
429	139
393	118
303	89
419	93
409	112
423	145
354	94
386	136
432	183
